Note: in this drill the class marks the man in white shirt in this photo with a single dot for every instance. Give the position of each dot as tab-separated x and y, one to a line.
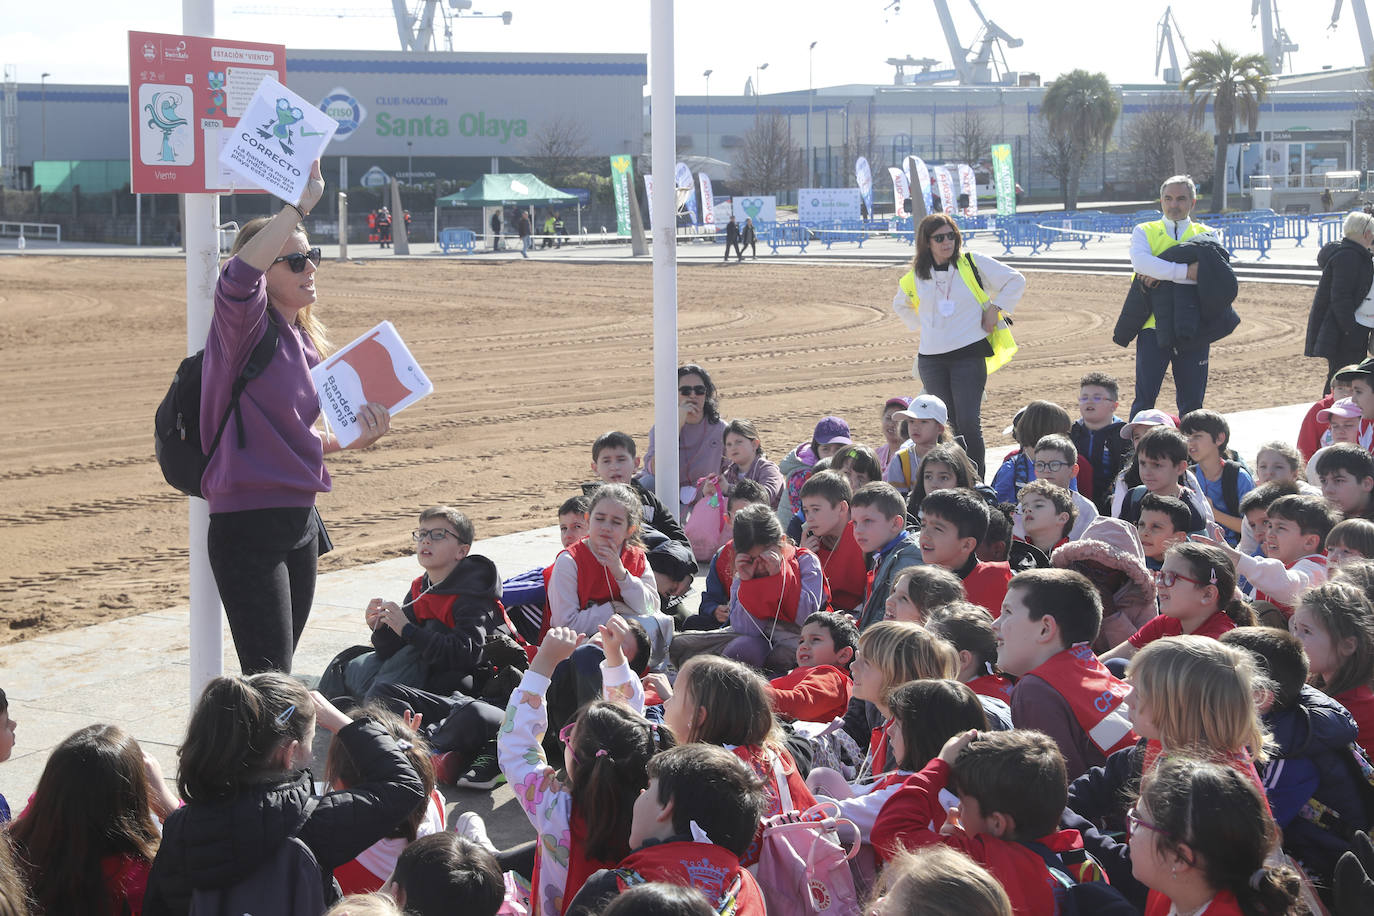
1177	197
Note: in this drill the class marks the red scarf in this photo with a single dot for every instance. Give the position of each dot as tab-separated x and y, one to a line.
431	606
775	596
992	685
845	573
1287	609
580	866
725	565
1094	695
595	584
711	869
1239	761
877	747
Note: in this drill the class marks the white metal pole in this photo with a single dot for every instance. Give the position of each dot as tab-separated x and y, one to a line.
663	139
138	219
200	234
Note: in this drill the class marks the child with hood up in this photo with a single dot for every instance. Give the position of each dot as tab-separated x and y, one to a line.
1109	554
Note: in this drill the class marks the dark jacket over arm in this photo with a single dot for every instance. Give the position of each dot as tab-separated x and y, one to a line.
1186	315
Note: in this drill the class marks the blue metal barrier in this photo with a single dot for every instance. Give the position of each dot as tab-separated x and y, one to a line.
464	240
1248	236
785	235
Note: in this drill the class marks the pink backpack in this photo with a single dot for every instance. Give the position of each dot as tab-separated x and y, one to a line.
707	526
804	867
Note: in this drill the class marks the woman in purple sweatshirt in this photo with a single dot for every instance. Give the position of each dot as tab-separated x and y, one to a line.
264	531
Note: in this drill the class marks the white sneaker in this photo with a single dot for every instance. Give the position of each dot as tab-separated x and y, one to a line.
470	825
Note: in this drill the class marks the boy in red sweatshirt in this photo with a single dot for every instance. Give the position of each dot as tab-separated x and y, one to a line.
818	689
952	524
1012	789
829	534
1044	637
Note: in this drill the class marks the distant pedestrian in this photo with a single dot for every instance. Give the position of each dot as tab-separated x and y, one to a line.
547	240
496	229
732	238
748	239
560	229
384	228
522	226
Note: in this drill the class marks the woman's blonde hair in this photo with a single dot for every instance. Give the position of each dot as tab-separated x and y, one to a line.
1357	225
305	318
1201	695
907	652
937	881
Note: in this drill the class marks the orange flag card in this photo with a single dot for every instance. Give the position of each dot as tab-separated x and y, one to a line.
378	368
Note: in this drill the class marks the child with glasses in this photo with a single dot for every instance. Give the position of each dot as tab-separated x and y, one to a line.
1097	435
1056	459
433	638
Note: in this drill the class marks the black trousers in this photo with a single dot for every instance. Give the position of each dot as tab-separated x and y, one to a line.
451	723
264	565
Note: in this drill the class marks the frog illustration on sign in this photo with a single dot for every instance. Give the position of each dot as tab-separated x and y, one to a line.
280	127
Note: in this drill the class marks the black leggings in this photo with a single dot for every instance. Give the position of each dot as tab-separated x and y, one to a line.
451	723
264	565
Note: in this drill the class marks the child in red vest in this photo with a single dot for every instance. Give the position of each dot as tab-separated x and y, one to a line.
582	819
691	827
1011	788
829	534
968	628
1335	624
952	524
1044	637
722	702
919	591
714	611
818	689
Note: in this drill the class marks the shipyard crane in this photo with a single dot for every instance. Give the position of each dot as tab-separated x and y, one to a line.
1361	25
976	68
901	63
1277	44
415	25
1167	29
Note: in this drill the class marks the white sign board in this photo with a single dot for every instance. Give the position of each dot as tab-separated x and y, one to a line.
277	139
817	205
376	368
762	209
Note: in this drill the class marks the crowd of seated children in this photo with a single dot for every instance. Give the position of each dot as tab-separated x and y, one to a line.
1335	624
1047	514
999	545
1196	590
1311	776
1163	522
1011	788
1189	695
1097	434
1110	556
614	462
525	595
968	628
714	610
1343	420
722	702
1313	433
1345	473
918	591
952	524
858	465
691	827
776	587
830	435
944	467
1351	539
746	461
879	516
1255	508
1056	461
1293	561
924	715
1033	422
819	688
1161	457
1044	639
1224	482
581	812
924	425
828	532
1129	478
1280	462
894	433
433	639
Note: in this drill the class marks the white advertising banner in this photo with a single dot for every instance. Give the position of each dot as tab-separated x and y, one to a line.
708	200
900	190
817	205
761	209
968	186
945	185
649	196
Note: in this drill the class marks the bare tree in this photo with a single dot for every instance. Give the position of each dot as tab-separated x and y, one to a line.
769	161
557	150
1162	141
971	136
1056	153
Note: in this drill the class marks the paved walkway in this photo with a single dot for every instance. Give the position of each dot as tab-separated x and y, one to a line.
134	672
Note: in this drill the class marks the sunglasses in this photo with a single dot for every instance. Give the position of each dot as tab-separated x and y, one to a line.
688	390
297	261
944	236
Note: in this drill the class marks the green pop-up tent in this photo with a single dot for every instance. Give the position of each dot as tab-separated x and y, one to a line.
506	190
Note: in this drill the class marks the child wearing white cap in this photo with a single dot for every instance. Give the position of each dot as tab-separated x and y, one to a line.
926	418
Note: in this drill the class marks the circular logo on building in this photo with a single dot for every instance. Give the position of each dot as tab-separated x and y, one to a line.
340	105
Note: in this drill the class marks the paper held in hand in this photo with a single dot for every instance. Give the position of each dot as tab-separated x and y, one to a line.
375	368
278	137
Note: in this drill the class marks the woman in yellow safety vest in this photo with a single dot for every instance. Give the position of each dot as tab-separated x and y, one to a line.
955	299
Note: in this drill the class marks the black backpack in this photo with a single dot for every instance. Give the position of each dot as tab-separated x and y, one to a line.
176	429
289	882
1094	897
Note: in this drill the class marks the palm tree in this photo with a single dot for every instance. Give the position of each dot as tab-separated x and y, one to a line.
1081	109
1233	85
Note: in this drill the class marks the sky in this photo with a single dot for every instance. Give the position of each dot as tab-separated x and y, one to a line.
82	41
